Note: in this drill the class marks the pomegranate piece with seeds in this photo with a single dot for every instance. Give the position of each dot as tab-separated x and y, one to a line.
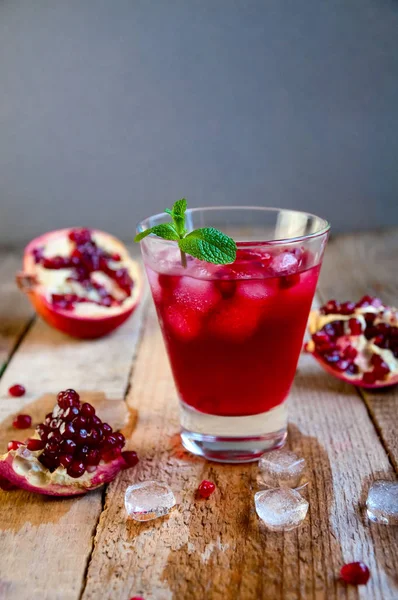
355	573
80	281
63	458
206	488
17	390
356	342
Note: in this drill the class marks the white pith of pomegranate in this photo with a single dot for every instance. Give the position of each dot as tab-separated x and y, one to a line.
72	452
80	281
356	342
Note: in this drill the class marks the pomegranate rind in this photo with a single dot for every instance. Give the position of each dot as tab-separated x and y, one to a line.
80	326
353	380
313	327
22	469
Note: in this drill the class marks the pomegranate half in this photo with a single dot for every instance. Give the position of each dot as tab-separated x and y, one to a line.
82	282
73	451
356	342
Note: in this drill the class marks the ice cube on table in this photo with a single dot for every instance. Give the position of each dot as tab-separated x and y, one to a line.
281	509
281	468
382	502
149	500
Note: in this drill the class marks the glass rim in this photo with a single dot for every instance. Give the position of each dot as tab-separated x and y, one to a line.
320	232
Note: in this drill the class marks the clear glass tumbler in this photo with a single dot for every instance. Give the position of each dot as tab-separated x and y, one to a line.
234	332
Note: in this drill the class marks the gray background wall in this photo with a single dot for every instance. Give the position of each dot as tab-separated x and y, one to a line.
110	110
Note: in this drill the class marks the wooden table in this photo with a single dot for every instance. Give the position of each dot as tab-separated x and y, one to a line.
216	549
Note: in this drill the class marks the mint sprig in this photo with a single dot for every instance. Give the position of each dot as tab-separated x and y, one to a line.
207	243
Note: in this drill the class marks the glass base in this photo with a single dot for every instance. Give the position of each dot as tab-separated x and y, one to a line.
233	439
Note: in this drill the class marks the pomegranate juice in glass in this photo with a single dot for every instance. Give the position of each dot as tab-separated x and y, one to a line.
234	332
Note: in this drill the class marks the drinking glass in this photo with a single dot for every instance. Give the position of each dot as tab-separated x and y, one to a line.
234	332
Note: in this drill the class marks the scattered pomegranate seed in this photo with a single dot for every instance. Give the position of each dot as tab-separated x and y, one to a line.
14	444
22	422
137	598
356	573
17	390
34	445
130	458
206	488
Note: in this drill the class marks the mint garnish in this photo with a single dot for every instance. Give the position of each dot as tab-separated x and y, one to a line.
207	243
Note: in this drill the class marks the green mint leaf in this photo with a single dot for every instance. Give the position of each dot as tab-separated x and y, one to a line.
178	215
168	211
209	244
165	231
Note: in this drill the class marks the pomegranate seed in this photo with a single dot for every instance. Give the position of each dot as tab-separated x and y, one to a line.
68	446
74	396
320	337
55	423
81	435
65	460
87	410
54	437
52	447
206	488
93	457
347	308
49	460
76	469
48	419
96	421
370	318
369	377
350	352
137	598
331	307
80	235
14	444
67	430
93	437
106	428
381	370
34	444
108	455
80	422
82	452
110	441
326	347
43	431
356	573
16	390
71	413
130	458
364	302
121	440
353	369
331	357
376	360
342	365
355	326
22	422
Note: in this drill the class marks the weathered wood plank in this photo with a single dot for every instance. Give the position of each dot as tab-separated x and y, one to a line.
359	264
15	311
218	548
45	542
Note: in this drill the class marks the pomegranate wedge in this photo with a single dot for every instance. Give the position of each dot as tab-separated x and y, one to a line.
357	343
72	452
82	282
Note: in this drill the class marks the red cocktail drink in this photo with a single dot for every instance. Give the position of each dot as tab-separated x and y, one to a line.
233	335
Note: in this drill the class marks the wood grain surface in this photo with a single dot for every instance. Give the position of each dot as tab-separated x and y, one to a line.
206	549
